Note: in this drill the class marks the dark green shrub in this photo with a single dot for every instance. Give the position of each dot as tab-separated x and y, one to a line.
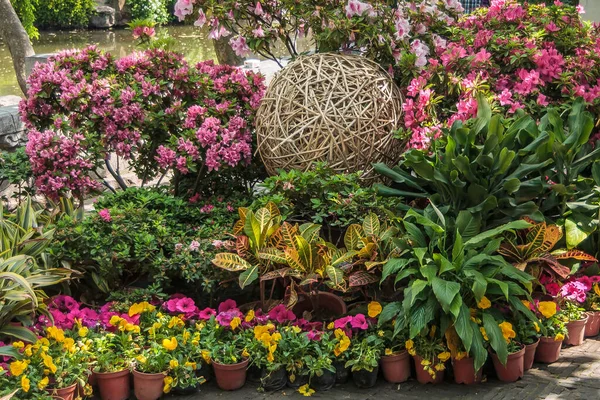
154	10
25	9
64	13
15	169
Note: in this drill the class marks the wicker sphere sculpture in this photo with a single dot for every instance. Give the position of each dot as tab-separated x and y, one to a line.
341	109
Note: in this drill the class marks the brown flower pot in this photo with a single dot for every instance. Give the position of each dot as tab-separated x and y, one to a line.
548	350
396	367
113	385
592	327
576	332
67	393
230	376
329	304
148	386
530	354
464	371
423	376
514	368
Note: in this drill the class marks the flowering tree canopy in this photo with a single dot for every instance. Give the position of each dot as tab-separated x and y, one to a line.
150	108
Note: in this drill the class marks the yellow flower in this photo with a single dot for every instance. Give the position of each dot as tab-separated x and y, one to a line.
170	344
440	367
189	364
25	384
245	353
115	320
444	356
483	333
28	351
260	330
547	308
87	390
330	326
18	367
374	309
388	352
296	329
49	363
141	358
176	322
276	337
83	331
18	345
536	327
507	331
425	362
381	333
409	344
185	336
596	289
526	303
43	383
173	364
138	308
461	354
55	333
344	343
69	345
235	322
559	337
249	316
206	356
484	303
168	381
305	390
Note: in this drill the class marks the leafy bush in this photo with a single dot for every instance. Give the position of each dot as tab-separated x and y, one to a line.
152	109
15	169
154	10
64	13
140	235
25	9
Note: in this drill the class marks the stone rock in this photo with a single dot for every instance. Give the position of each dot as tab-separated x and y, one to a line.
103	18
9	100
12	130
38	58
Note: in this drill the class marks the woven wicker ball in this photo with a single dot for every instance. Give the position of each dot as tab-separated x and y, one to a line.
329	107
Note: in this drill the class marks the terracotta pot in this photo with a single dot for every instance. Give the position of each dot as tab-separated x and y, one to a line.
364	379
342	374
230	376
576	332
396	368
329	302
548	350
530	355
148	386
464	371
423	376
514	368
113	385
592	328
67	393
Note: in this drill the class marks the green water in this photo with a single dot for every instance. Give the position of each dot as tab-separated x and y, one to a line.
191	41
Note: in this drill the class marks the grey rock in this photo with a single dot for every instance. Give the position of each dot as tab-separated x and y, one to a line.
38	58
12	130
103	18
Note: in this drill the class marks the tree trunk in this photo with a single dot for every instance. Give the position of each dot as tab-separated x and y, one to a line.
17	40
225	54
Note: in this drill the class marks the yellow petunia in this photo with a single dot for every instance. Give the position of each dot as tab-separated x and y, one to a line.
547	308
559	337
138	308
374	309
25	384
170	344
69	345
235	322
444	356
507	331
249	316
425	363
305	390
43	383
176	322
440	367
18	367
484	303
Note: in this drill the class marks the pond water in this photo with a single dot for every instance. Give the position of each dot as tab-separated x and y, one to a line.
191	41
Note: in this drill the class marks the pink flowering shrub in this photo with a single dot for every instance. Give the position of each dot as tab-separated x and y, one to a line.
520	56
151	109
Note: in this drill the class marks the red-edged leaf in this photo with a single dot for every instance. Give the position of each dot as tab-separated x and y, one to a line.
280	273
362	278
573	254
310	278
553	264
242	245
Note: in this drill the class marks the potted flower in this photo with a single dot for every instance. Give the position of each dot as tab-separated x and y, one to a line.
552	323
395	361
512	368
319	363
295	349
572	296
430	354
592	305
364	360
150	369
528	333
341	352
267	356
114	356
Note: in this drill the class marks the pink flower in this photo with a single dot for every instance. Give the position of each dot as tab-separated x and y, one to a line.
201	19
587	282
205	209
258	32
281	314
105	215
542	100
206	314
314	335
194	245
341	323
552	27
185	305
225	318
359	322
258	10
227	305
574	291
239	46
356	7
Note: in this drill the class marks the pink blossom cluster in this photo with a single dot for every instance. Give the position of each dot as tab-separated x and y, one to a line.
493	52
66	312
575	288
150	108
352	324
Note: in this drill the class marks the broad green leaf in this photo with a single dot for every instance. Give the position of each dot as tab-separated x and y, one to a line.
445	291
462	324
417	287
389	312
494	333
248	276
478	239
352	237
336	276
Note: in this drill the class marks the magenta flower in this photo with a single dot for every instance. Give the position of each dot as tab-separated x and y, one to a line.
185	305
341	323
314	335
587	282
359	322
206	314
552	288
63	303
574	291
171	305
227	305
105	215
225	318
281	314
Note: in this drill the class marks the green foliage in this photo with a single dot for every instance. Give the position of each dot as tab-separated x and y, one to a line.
365	355
64	13
321	196
149	235
25	9
15	169
153	10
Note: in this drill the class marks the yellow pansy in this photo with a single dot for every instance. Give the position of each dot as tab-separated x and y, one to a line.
168	382
484	303
559	337
18	345
343	345
88	390
330	326
138	308
206	356
186	335
444	356
141	358
596	289
83	332
409	344
173	364
249	316
388	352
176	322
461	354
28	350
170	344
18	367
484	333
190	364
440	367
507	331
43	383
547	308
425	362
55	333
536	327
25	384
69	345
49	363
235	322
374	309
296	329
115	320
245	353
305	390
